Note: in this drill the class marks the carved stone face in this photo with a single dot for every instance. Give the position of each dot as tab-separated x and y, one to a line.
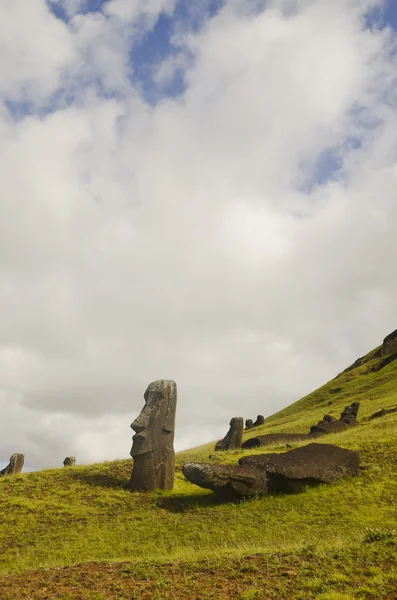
155	424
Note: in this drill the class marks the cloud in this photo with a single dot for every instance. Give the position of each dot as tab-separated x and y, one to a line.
190	239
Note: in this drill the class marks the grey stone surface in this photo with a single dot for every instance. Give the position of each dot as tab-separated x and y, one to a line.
309	465
389	345
234	437
15	465
274	438
227	481
153	442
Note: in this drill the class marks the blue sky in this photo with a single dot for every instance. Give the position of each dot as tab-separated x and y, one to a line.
156	45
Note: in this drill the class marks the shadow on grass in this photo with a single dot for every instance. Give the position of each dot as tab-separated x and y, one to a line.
104	480
185	503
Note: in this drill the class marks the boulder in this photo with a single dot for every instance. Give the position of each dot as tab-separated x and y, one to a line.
329	418
331	425
274	438
234	437
227	481
389	345
15	465
260	420
249	424
325	427
306	466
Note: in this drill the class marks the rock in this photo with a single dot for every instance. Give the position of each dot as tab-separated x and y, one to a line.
306	466
350	411
69	461
15	465
325	427
260	420
329	418
227	481
249	424
389	345
331	425
382	412
234	437
153	443
274	438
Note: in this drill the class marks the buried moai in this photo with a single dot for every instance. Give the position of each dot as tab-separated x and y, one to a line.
234	437
153	442
249	424
260	420
69	461
15	465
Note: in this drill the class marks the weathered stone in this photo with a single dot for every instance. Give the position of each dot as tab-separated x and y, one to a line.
331	425
69	461
306	466
260	420
234	437
15	465
274	438
329	418
389	345
382	412
325	427
249	424
350	411
153	443
227	481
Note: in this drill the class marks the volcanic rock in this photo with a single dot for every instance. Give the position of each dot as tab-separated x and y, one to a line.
227	481
306	466
15	465
234	437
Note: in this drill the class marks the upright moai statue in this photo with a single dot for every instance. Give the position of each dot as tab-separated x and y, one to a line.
153	443
15	465
234	437
69	461
249	424
260	420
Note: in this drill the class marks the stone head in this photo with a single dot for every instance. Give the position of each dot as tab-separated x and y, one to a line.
154	426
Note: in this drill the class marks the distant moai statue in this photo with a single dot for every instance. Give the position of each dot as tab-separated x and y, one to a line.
15	465
69	461
153	443
249	424
234	437
260	420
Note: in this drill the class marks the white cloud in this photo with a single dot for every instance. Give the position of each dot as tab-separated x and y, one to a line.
139	242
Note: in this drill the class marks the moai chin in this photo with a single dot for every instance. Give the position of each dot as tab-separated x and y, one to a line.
153	442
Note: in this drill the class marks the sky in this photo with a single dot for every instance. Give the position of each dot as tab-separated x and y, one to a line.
203	192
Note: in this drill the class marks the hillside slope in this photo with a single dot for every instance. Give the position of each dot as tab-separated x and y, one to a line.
331	542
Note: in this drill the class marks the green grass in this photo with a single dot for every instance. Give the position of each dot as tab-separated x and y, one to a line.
73	516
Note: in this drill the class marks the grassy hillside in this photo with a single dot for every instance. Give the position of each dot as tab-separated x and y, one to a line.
78	533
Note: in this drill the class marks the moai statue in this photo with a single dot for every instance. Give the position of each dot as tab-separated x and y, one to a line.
69	461
260	420
249	424
234	437
349	414
153	443
15	465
